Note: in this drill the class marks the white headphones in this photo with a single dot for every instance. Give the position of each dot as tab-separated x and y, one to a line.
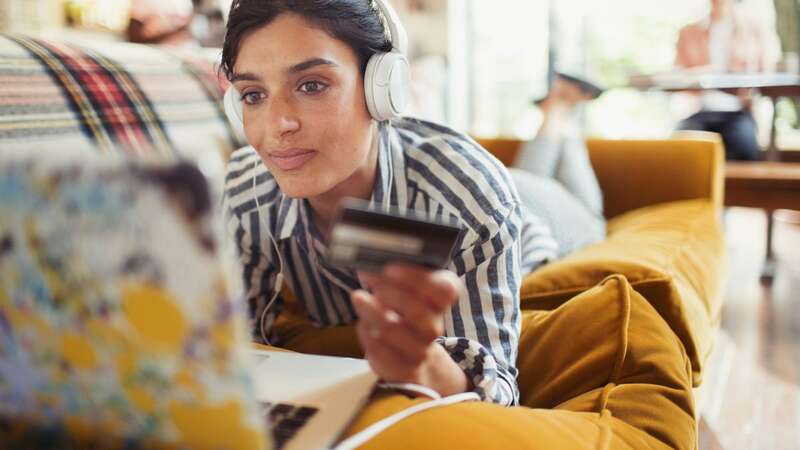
387	78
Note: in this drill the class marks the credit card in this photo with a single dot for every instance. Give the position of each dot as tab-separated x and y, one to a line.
367	240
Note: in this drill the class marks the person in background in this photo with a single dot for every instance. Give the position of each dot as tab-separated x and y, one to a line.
728	41
553	172
163	22
208	27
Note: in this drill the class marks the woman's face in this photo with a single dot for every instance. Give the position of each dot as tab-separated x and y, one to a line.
304	109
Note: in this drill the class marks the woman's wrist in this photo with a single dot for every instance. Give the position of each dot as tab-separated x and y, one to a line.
442	374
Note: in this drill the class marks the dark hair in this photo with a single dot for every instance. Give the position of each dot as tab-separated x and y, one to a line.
357	23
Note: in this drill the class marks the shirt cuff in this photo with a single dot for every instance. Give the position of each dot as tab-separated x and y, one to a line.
489	381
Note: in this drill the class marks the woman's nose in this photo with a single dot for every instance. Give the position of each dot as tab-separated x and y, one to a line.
283	118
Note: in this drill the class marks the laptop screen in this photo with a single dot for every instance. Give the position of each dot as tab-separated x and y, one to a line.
115	322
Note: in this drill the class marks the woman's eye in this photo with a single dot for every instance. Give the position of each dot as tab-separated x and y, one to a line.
313	87
251	98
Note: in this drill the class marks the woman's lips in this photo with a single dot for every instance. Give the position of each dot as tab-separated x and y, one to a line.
291	159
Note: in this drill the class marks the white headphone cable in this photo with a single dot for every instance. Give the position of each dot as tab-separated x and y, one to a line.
411	387
375	429
278	278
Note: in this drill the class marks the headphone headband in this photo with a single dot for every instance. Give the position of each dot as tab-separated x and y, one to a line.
397	33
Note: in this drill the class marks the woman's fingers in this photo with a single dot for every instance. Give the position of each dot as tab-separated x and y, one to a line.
383	326
386	363
402	316
415	312
439	288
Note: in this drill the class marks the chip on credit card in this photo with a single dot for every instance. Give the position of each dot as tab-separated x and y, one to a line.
366	239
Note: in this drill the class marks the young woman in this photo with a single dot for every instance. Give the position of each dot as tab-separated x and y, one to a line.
298	67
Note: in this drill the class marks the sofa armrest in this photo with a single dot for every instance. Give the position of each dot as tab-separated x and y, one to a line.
637	173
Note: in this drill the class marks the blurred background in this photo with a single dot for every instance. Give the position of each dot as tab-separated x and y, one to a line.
478	64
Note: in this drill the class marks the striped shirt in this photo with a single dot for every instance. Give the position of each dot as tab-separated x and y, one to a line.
422	167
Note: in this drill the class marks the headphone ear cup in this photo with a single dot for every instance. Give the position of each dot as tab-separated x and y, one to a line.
233	110
386	85
369	87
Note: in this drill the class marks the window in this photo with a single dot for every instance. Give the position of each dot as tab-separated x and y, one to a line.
507	65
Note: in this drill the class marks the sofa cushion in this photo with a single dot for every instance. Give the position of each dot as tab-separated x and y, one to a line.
620	379
111	96
672	254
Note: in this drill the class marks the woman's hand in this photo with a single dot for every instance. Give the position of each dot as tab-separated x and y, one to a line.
400	319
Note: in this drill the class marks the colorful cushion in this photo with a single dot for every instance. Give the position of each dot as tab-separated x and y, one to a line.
672	254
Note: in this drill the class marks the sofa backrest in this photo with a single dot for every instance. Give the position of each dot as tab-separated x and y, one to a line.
637	173
110	96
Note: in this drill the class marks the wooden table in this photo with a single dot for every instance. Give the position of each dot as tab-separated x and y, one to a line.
766	185
771	85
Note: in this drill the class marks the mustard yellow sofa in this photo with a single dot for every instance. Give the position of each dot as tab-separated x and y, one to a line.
663	200
614	336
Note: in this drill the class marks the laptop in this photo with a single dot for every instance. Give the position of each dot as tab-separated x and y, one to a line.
118	328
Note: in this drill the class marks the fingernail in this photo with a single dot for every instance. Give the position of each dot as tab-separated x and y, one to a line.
443	278
374	332
359	296
392	317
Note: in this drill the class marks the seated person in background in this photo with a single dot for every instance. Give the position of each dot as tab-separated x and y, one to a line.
208	27
166	22
315	141
553	172
728	41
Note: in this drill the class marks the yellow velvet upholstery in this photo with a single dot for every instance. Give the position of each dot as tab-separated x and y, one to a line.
670	253
297	334
602	371
664	199
633	174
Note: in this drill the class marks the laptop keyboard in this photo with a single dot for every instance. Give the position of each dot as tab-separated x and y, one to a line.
285	420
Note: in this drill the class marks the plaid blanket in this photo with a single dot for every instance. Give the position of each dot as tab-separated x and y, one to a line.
118	97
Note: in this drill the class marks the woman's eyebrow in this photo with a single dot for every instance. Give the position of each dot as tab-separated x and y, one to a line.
308	64
300	67
245	76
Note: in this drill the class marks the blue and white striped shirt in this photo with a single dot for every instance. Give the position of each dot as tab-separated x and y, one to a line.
422	167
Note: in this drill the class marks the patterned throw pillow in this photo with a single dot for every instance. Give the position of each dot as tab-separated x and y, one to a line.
111	96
